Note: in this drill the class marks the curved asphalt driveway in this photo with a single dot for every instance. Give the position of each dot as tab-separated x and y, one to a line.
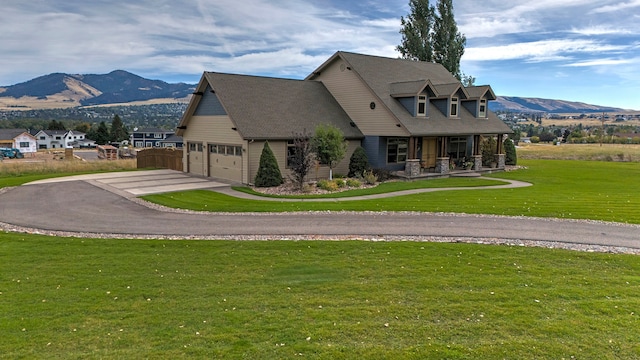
81	206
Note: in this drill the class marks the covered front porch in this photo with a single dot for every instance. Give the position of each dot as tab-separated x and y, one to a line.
445	156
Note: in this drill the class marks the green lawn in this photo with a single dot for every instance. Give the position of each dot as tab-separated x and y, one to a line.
561	188
95	298
104	298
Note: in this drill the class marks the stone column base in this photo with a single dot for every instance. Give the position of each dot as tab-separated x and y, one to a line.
442	165
500	160
477	162
412	168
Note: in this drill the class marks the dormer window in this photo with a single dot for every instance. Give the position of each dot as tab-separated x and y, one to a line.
454	106
422	105
483	108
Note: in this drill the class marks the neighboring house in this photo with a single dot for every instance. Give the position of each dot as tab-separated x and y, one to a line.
149	137
19	139
408	115
60	139
173	141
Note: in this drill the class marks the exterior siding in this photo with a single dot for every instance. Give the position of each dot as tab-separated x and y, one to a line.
471	106
442	105
376	149
211	130
409	104
279	149
209	104
354	97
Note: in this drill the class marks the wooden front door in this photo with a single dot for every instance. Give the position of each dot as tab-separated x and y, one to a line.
429	152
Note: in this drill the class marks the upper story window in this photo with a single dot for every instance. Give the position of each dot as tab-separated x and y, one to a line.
157	136
483	108
422	105
454	106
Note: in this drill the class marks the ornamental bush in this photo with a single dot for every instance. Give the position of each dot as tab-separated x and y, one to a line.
268	171
358	163
510	157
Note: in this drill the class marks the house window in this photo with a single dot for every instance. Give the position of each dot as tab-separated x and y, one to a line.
157	136
454	106
483	108
24	144
422	105
58	138
397	150
457	147
42	138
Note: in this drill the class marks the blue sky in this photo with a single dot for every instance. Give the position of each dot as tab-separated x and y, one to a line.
576	50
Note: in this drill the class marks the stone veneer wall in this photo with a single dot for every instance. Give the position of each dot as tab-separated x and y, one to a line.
442	165
412	168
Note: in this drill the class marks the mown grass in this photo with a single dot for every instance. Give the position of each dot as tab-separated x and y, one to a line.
561	188
18	173
97	298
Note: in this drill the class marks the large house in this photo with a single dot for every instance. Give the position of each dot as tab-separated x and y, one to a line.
18	139
149	137
60	139
408	116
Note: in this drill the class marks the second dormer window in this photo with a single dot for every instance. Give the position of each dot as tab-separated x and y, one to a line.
454	106
422	105
483	108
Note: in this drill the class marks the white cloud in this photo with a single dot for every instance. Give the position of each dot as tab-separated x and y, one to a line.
617	7
538	50
600	62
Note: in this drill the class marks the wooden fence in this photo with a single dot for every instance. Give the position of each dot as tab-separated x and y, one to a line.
165	158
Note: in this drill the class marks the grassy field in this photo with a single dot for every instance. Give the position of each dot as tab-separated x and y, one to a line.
16	173
93	298
563	189
606	152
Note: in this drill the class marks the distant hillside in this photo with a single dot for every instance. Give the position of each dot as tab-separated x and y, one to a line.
521	104
69	90
120	87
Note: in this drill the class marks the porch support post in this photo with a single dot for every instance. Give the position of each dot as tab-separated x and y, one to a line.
499	157
412	148
477	153
442	161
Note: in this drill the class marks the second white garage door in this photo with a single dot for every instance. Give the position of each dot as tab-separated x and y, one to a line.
225	162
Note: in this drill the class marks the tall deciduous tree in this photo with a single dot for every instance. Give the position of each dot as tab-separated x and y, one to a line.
329	146
417	30
448	42
430	34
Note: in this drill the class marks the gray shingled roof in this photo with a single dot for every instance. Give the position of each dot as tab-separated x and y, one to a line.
273	108
10	134
380	72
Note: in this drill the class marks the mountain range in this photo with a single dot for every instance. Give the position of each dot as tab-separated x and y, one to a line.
59	90
71	90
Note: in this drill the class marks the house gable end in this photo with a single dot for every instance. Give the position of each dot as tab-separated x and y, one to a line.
209	104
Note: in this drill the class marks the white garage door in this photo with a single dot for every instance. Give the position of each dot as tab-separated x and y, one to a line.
225	162
195	158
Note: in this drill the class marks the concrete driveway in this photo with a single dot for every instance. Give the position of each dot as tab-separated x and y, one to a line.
102	204
138	183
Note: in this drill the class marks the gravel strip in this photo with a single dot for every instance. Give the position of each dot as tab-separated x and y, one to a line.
472	240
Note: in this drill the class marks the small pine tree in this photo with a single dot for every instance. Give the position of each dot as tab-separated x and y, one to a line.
510	153
268	171
358	163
